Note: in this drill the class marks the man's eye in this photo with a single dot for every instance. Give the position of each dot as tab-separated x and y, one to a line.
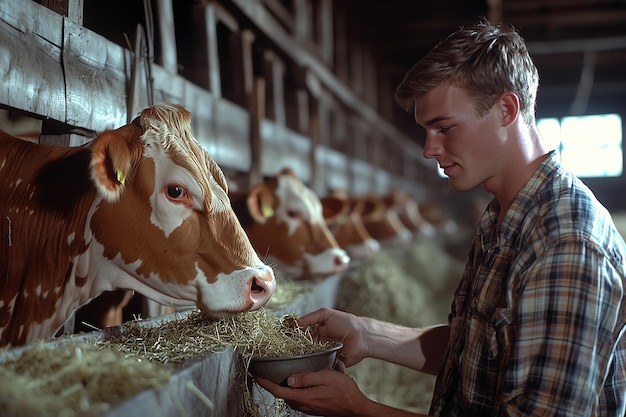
444	129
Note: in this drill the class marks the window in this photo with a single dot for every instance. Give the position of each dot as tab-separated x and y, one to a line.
589	146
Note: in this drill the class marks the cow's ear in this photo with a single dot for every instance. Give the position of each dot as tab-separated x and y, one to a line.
261	203
334	208
113	154
372	208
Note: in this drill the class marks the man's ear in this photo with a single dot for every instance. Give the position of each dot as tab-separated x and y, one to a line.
509	107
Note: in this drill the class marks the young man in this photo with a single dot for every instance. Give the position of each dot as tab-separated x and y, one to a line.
537	326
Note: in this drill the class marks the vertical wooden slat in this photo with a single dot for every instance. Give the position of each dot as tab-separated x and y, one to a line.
316	182
370	79
210	17
356	65
243	74
256	110
341	43
297	99
275	70
326	31
167	34
302	21
138	95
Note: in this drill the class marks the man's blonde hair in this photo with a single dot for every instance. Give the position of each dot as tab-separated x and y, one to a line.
486	60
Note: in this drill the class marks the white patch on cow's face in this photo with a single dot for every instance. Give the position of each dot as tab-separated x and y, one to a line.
364	249
298	204
330	261
168	215
231	292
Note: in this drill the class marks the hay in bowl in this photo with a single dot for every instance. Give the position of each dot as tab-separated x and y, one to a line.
278	368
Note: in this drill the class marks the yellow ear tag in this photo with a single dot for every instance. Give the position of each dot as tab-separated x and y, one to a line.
120	176
267	211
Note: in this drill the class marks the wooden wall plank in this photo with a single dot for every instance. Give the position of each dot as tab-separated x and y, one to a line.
32	81
52	67
97	73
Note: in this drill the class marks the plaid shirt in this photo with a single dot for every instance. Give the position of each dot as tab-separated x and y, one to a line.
538	319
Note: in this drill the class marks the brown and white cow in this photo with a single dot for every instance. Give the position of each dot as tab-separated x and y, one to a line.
381	220
143	207
409	214
284	221
344	221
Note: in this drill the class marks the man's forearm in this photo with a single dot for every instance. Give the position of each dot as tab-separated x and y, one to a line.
420	349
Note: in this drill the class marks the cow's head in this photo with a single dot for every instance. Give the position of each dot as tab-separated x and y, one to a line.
285	223
409	214
344	221
166	221
381	220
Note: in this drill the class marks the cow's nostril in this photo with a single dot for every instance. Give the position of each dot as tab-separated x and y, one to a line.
341	260
256	288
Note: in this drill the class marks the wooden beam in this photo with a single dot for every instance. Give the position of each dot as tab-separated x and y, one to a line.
577	45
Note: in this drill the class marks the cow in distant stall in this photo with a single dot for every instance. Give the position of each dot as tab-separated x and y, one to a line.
381	220
285	223
344	221
143	207
409	214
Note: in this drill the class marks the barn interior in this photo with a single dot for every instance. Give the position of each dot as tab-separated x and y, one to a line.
300	84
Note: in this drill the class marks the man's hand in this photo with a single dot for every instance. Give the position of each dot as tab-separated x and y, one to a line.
327	392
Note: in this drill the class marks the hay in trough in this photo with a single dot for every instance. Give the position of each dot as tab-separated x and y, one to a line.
255	334
72	378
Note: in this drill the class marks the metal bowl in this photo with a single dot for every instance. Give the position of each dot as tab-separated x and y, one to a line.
278	369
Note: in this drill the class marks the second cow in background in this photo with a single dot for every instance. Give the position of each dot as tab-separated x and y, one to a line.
285	223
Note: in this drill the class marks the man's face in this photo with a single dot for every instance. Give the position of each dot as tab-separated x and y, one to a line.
468	148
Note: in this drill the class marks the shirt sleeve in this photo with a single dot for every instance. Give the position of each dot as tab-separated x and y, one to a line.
565	309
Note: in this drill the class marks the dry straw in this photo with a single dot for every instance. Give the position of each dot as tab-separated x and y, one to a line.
69	378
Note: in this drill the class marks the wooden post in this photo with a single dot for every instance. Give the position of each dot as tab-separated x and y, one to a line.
167	34
274	70
256	109
242	71
210	17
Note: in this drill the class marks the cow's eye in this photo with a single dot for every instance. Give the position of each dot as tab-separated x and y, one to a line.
294	214
178	194
175	191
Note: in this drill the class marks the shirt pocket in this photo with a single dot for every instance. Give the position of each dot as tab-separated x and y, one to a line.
486	350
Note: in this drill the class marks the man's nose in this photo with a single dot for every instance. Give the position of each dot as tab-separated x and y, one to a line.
432	147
